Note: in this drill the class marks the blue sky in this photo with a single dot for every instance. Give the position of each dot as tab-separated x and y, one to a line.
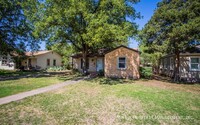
146	9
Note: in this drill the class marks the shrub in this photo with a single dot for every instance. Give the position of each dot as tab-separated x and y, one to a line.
146	72
101	73
76	72
56	68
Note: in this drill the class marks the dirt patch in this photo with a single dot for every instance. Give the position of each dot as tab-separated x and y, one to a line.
173	86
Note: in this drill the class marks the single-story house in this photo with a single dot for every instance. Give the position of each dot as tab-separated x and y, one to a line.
41	60
120	62
189	65
7	62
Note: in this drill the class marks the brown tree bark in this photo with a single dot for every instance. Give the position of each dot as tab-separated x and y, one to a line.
84	66
177	67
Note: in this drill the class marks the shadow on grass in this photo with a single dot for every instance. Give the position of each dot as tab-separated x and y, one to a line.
110	81
22	74
170	80
63	76
74	77
16	73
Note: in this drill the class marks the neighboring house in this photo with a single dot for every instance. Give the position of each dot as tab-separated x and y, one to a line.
7	62
41	60
189	65
120	62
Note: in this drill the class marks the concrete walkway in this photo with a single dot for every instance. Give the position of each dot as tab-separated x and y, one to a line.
23	95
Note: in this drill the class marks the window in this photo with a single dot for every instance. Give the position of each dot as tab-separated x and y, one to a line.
4	61
48	62
165	63
121	63
87	63
54	62
195	64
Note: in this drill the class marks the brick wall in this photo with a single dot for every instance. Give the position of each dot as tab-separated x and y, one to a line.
132	63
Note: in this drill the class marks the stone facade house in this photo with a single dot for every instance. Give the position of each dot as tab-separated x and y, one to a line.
120	62
41	60
189	65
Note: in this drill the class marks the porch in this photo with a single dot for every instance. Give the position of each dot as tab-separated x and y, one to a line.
30	64
94	64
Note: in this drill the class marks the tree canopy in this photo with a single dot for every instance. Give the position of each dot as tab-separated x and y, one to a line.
15	30
87	24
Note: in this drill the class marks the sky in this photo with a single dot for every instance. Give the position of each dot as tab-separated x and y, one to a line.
146	9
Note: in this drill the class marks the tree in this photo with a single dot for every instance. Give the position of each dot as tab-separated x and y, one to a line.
173	28
15	30
147	57
86	24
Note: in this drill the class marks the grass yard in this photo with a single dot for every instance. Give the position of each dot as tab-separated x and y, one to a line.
13	82
104	101
10	87
13	73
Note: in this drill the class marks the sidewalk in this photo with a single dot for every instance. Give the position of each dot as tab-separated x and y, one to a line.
23	95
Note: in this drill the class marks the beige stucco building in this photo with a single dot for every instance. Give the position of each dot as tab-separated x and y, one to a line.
41	60
189	65
120	62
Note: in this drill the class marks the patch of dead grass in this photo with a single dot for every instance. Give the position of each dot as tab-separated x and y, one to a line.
113	111
23	114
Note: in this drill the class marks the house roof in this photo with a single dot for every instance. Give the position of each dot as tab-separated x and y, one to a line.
78	55
189	51
101	52
37	53
195	49
124	47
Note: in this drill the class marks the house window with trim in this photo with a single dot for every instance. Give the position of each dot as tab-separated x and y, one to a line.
4	61
54	62
48	62
165	63
121	63
87	63
195	64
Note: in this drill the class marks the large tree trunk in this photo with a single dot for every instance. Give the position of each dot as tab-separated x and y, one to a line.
174	69
84	65
84	68
177	67
155	69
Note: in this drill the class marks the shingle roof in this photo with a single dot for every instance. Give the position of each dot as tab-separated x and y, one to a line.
124	47
37	53
101	52
195	49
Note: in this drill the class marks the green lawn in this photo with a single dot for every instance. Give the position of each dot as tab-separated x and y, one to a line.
10	87
103	101
20	81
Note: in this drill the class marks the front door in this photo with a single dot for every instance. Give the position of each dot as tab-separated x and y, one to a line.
99	64
29	62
